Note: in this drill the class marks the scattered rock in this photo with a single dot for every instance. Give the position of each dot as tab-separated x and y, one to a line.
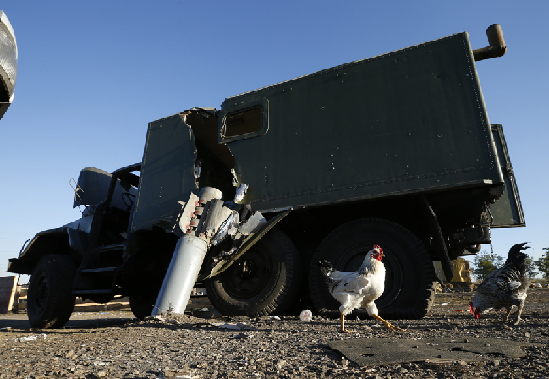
182	346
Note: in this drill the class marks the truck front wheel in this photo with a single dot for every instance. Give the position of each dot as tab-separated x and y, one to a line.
264	281
50	301
409	271
142	305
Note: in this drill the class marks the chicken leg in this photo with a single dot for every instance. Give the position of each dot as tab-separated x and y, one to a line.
521	306
506	318
510	309
343	330
388	324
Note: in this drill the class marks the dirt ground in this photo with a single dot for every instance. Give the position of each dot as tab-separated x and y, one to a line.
115	345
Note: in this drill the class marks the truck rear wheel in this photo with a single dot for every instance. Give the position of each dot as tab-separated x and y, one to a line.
264	281
50	301
409	271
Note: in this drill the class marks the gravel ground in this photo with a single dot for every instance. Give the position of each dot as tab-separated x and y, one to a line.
116	345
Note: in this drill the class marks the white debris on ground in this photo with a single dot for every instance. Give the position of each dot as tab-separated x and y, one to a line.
34	337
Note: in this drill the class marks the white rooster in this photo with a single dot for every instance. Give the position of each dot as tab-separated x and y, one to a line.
358	289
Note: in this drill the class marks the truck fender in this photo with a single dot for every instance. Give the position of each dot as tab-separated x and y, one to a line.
52	241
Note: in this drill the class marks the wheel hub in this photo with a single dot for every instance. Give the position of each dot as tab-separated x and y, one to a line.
250	275
42	290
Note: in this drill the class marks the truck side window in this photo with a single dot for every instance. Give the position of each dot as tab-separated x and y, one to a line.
243	122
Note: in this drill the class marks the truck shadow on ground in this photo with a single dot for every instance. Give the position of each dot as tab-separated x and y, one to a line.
22	324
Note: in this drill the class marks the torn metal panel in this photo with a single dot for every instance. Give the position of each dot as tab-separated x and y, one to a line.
228	227
409	121
253	223
240	192
167	172
182	219
252	238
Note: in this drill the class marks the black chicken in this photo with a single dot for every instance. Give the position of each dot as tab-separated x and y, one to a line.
505	287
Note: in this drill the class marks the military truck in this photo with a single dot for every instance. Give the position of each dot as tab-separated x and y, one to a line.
8	63
395	150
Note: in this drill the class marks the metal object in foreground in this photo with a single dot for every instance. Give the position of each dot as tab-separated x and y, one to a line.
180	277
8	63
187	258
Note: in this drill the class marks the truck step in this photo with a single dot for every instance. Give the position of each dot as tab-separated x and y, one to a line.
105	270
89	292
113	247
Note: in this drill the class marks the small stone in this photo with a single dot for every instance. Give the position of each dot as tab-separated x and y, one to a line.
527	335
486	344
462	363
495	362
102	373
280	364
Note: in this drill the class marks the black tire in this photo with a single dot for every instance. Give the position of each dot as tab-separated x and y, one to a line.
409	270
264	281
50	301
142	305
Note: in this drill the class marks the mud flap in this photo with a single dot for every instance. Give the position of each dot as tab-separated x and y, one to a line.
440	245
507	211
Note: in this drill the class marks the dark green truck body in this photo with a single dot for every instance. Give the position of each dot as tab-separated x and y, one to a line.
402	140
409	121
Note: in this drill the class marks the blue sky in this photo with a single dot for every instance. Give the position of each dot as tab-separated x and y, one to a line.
92	74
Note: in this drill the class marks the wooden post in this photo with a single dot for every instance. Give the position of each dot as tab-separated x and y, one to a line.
8	288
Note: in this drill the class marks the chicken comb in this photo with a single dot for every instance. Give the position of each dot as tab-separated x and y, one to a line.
377	247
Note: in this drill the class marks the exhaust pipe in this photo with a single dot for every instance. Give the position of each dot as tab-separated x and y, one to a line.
497	46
